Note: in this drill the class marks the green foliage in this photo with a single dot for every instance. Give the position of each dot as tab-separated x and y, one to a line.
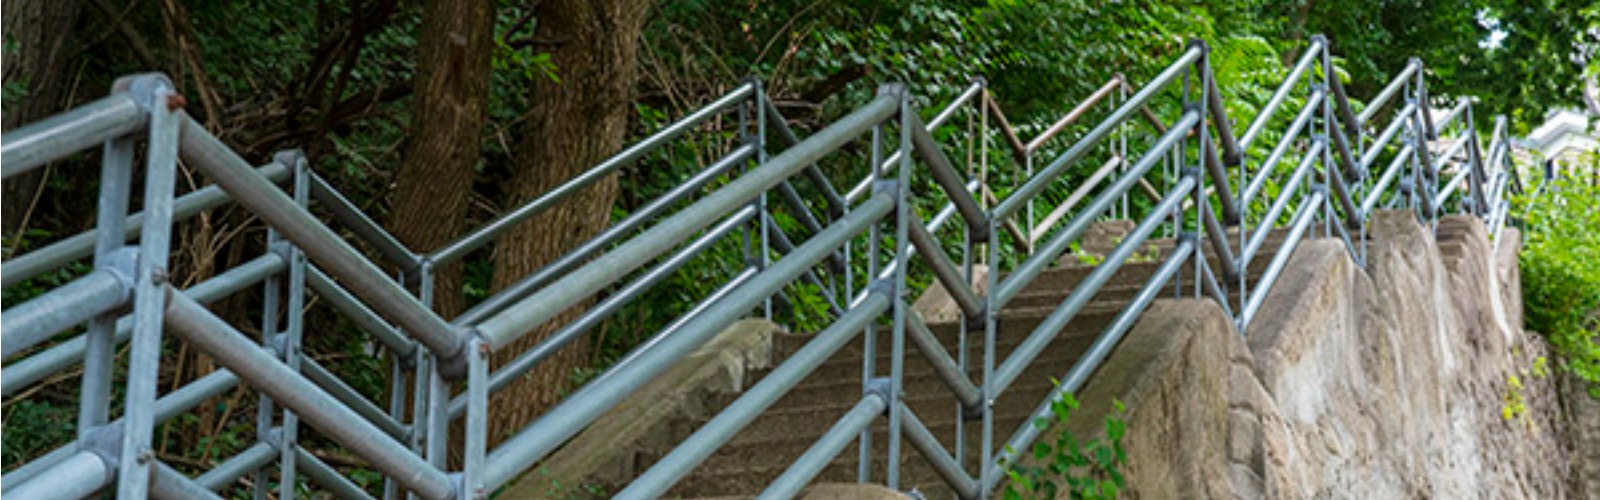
33	427
1090	469
1561	273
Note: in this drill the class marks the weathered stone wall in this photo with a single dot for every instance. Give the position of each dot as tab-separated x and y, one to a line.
1384	382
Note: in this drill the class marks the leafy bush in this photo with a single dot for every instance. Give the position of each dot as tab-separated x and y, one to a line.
1091	469
1561	273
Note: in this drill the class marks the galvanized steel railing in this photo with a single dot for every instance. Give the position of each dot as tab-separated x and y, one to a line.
409	442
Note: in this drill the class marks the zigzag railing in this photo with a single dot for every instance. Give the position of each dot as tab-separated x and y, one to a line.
409	442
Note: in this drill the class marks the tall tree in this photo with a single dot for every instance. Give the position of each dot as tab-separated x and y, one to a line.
577	120
37	33
447	119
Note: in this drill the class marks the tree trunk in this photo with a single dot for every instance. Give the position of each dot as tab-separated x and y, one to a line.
578	121
442	149
36	35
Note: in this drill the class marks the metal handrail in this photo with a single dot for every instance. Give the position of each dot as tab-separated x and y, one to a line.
477	239
306	254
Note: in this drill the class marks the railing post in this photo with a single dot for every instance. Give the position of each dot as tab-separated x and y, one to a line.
137	462
438	429
477	438
295	328
1329	169
272	293
897	343
869	338
1202	68
760	138
116	183
991	326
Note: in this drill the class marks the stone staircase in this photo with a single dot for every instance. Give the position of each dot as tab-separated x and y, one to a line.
762	451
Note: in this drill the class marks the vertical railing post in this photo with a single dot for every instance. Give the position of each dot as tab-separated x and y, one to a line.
438	440
110	252
869	338
1328	168
981	112
897	343
765	222
477	438
290	343
1202	68
397	411
137	462
1476	167
272	293
991	318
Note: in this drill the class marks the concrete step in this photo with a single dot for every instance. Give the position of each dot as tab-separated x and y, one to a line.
749	469
767	447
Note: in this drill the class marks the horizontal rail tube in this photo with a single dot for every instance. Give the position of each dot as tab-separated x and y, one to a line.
83	127
355	311
671	328
477	239
1045	225
1446	158
1019	198
1455	183
797	476
326	249
1453	114
167	483
687	455
1389	174
516	321
255	457
364	227
1283	147
1043	257
81	245
1264	117
1259	237
1025	435
614	302
1072	116
341	391
167	407
218	339
34	368
1388	134
79	476
1388	91
1034	344
324	475
950	109
566	419
1308	211
36	320
504	298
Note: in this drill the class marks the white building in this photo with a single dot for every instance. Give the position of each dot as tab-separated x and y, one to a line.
1567	140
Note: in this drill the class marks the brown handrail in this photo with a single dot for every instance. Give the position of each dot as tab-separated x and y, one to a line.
1072	116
